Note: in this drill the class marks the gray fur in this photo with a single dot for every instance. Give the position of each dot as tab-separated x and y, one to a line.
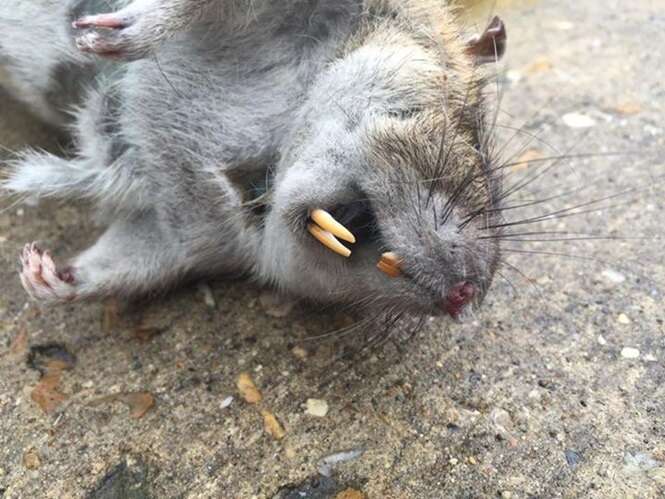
339	99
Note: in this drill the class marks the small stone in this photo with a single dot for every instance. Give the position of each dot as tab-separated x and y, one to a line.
453	461
540	65
275	306
563	25
248	389
578	120
226	402
506	495
472	460
653	130
501	419
350	494
208	296
317	408
628	108
513	76
503	424
328	463
650	358
453	416
31	460
300	353
638	462
127	479
630	353
602	340
573	458
534	395
623	319
613	277
272	425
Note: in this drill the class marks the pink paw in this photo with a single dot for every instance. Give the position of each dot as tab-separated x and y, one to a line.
116	36
42	280
108	38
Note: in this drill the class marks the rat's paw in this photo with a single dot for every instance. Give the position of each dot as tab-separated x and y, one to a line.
122	35
42	280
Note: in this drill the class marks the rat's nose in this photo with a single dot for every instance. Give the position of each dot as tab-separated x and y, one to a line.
460	295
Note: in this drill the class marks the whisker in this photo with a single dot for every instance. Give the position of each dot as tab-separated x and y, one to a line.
565	212
510	283
342	332
575	236
584	258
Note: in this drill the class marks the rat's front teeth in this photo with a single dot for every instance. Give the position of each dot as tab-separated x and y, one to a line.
328	240
390	264
328	223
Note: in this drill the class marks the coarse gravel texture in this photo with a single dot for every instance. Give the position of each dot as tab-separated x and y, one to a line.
554	389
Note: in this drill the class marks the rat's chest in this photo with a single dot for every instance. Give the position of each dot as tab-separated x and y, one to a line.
225	104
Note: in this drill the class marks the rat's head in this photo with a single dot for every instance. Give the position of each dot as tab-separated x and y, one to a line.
386	196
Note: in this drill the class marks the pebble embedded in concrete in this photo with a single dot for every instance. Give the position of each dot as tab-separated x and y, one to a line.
630	353
317	408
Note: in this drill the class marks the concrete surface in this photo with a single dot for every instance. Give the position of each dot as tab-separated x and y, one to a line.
556	389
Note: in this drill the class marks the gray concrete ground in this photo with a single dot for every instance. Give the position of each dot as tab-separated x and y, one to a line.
555	389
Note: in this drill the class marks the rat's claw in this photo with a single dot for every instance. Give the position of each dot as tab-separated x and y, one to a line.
41	279
95	43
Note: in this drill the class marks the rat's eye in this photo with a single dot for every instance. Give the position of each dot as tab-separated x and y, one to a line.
353	222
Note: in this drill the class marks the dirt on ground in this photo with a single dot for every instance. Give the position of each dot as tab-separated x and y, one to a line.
554	389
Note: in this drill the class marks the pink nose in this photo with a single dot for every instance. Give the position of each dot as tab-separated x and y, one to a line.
459	297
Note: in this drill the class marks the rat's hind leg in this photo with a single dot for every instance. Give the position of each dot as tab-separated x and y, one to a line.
134	256
41	279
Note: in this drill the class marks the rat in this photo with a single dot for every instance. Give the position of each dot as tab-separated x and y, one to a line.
337	150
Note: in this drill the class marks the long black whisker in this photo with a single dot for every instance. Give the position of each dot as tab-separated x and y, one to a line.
569	239
565	212
524	277
580	258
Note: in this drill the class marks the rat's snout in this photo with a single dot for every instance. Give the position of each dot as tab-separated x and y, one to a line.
437	265
458	298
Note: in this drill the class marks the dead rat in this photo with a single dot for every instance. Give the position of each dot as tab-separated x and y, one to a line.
338	150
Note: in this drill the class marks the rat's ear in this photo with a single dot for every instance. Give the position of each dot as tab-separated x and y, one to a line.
491	45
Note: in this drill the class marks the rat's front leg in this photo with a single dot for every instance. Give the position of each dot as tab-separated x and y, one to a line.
135	31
